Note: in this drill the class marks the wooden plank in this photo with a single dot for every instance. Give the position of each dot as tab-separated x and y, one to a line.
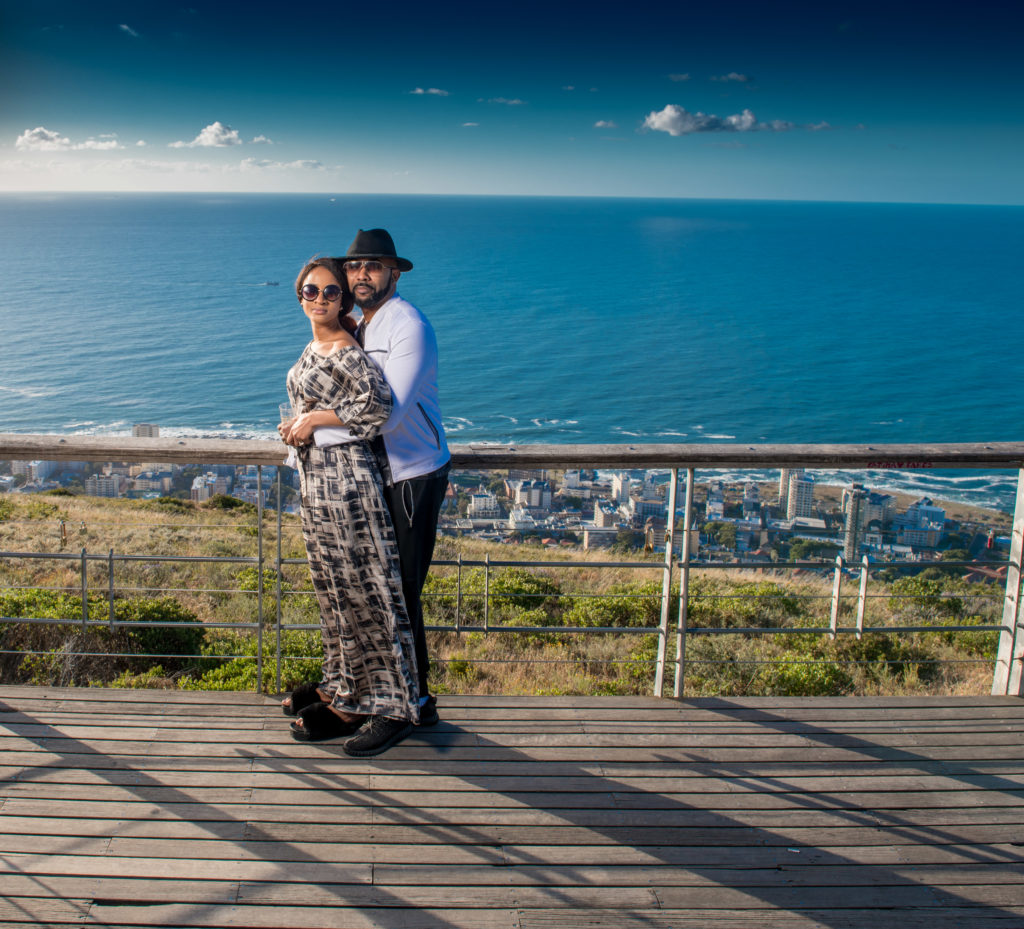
41	911
832	875
904	917
120	888
188	869
96	828
113	751
720	855
765	856
440	895
276	917
235	802
876	897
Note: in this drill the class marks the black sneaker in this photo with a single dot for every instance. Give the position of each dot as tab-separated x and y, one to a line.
428	712
378	734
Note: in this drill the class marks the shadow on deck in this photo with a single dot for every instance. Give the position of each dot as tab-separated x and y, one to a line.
146	808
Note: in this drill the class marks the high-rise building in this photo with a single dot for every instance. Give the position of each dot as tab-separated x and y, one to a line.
855	507
801	496
146	431
784	475
751	500
104	485
620	487
484	505
200	491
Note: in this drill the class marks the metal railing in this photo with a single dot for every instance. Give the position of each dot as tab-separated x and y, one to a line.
674	621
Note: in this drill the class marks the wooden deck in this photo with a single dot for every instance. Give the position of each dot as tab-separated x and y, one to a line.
197	809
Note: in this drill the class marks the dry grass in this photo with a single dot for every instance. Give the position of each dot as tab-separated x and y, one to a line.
495	662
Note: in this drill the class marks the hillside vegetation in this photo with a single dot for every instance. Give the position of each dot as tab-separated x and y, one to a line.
573	590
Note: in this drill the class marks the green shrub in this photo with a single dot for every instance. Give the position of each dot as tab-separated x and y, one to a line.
794	676
247	580
511	590
721	603
175	644
635	605
165	504
224	502
301	661
151	679
40	509
920	597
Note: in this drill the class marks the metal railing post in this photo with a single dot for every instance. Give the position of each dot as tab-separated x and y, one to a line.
277	631
259	579
837	584
666	585
487	592
110	587
684	588
458	596
862	597
85	589
1007	678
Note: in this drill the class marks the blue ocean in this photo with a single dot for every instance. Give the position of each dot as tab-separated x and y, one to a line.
559	320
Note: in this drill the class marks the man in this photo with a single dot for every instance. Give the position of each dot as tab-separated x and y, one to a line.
415	460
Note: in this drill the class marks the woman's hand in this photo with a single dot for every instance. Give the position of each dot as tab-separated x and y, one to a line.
299	431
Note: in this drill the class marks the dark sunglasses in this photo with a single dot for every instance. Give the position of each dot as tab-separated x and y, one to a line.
310	292
372	266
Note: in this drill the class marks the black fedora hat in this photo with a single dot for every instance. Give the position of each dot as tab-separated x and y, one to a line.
375	243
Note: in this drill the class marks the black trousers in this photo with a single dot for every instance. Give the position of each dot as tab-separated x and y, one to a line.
415	505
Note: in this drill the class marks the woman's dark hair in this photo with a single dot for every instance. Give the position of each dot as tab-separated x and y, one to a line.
334	265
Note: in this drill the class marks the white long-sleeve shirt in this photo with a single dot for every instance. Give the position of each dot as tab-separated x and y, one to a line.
401	342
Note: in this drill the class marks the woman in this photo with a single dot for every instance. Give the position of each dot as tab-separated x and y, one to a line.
369	684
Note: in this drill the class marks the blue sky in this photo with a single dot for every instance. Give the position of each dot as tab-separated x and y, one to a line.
819	101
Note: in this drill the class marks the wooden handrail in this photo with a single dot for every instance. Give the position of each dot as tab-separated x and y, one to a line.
30	447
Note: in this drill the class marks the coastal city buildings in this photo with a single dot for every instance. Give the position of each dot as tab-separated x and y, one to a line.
579	507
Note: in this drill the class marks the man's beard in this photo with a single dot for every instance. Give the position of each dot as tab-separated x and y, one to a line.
371	300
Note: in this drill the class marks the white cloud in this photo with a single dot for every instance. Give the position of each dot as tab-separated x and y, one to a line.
41	140
434	91
568	87
157	166
605	124
216	135
732	78
141	143
677	121
46	140
468	125
255	164
262	140
678	78
504	100
129	30
107	145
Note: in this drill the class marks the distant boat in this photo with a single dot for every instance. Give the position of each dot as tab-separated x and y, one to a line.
270	284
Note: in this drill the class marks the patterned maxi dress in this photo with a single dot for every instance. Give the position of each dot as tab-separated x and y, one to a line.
369	659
